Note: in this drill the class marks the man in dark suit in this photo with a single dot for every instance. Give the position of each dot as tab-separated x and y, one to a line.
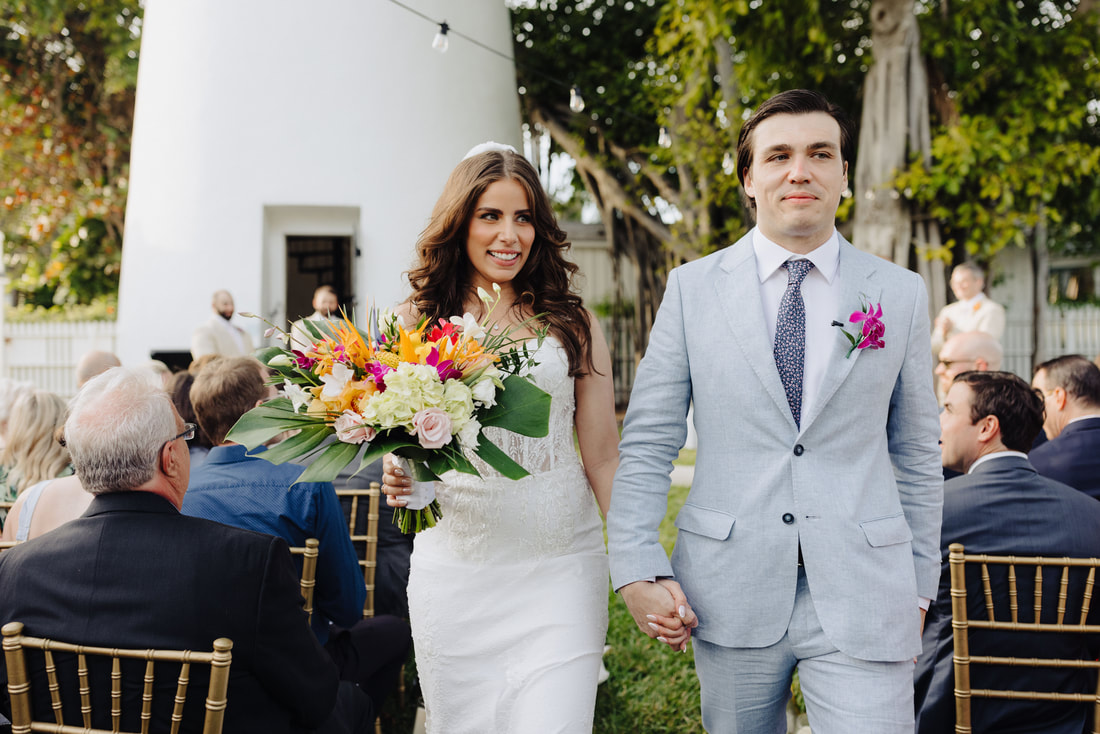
1071	395
1000	505
133	572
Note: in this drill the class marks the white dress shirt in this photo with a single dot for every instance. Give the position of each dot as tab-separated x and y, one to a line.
820	294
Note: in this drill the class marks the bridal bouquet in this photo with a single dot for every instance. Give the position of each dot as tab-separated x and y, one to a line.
424	394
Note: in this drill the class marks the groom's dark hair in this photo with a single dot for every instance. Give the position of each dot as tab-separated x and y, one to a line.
1017	405
792	102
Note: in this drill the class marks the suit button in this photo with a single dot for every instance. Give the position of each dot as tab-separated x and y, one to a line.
788	518
798	449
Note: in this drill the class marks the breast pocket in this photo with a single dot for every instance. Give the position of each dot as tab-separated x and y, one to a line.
884	531
704	521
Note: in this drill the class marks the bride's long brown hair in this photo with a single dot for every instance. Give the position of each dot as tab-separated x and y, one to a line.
441	280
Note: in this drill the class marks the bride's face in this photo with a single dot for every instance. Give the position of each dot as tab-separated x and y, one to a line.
500	234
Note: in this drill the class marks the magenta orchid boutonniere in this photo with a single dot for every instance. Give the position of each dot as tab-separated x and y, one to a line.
870	334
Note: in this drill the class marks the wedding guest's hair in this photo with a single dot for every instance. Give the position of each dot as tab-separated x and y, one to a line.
973	268
441	280
10	390
1076	375
223	391
792	102
1017	405
31	452
118	423
179	389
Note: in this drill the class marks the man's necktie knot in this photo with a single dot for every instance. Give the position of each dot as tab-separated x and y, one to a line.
790	335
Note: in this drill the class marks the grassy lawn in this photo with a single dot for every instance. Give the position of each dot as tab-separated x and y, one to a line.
652	690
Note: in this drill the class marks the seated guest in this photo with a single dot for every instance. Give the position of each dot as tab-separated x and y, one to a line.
970	350
1002	506
326	306
1071	394
135	573
45	506
93	363
31	453
249	492
179	388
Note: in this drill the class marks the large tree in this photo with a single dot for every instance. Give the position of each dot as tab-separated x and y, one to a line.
69	71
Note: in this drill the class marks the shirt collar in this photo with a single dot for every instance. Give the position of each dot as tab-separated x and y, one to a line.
996	455
976	300
770	256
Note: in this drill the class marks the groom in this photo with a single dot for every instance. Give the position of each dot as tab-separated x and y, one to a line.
810	537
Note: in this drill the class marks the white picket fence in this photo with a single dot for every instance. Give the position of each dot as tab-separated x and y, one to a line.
46	353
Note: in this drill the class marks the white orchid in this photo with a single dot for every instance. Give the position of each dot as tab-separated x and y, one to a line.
279	360
337	381
299	398
469	325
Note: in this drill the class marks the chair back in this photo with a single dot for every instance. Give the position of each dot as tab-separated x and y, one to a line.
5	544
366	544
308	583
19	682
1069	616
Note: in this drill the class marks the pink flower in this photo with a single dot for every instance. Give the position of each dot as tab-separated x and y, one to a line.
351	428
873	328
433	427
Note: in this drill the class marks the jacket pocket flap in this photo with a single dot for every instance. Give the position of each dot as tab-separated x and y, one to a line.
887	530
705	521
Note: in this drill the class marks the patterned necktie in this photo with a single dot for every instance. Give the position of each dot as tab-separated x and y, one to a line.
790	335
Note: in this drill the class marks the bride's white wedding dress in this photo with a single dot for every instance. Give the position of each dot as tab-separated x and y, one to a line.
508	593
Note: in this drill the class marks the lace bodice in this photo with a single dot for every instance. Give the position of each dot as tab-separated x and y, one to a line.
550	513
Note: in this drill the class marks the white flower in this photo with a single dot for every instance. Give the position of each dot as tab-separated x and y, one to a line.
485	393
279	360
337	381
299	398
469	325
484	295
467	437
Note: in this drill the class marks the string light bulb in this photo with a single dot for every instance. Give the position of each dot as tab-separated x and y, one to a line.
728	163
663	138
576	101
441	42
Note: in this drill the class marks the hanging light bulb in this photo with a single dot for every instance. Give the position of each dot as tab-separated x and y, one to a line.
663	138
440	42
727	163
576	101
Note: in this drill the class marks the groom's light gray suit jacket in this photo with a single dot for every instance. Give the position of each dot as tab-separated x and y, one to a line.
860	485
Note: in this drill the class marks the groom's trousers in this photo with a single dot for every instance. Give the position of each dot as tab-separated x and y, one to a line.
745	690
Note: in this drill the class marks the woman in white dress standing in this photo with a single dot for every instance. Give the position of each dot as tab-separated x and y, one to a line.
508	593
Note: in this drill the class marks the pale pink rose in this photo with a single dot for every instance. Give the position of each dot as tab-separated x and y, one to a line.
350	428
433	427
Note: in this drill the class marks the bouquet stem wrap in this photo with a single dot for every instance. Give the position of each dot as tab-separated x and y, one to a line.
421	510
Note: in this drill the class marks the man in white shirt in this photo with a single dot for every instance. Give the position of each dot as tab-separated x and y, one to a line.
219	335
971	311
1000	505
809	537
326	306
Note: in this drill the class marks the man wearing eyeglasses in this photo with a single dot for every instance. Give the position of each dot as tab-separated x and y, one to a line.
133	572
970	351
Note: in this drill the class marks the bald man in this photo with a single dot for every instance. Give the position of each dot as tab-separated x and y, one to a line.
971	350
94	363
219	335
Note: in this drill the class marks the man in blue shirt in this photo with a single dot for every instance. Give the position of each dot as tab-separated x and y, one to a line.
248	492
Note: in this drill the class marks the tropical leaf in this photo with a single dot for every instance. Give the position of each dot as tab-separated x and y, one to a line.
521	408
264	422
491	454
329	462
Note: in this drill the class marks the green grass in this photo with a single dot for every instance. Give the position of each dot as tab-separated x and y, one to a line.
686	458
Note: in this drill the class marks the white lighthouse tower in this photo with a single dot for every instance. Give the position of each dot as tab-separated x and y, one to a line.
279	145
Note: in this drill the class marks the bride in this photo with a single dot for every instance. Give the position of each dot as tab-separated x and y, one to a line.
508	593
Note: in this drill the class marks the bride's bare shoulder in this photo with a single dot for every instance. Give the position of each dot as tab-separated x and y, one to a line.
407	311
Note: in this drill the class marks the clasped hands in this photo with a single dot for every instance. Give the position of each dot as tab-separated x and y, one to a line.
661	611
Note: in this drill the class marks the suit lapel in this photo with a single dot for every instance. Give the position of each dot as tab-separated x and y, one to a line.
857	286
738	291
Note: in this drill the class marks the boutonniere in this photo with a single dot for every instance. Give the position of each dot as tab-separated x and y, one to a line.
872	331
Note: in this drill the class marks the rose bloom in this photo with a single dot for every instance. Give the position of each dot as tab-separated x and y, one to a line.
351	429
433	427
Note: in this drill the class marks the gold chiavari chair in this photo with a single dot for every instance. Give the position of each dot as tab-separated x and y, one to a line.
19	684
1073	621
5	544
368	541
308	582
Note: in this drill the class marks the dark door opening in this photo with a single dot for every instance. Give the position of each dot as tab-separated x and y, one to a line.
313	261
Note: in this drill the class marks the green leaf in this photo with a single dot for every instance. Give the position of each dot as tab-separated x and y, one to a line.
494	457
300	444
521	408
266	421
329	462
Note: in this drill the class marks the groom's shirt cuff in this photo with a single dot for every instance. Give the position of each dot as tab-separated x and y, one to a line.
924	603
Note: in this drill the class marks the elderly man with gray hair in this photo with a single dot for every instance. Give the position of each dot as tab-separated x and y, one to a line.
133	572
972	310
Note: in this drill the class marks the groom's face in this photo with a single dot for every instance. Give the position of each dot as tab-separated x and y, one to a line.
797	177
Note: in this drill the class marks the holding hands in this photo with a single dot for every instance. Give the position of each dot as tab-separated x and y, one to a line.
661	610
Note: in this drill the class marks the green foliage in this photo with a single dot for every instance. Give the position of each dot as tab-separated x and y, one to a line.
69	72
1015	140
